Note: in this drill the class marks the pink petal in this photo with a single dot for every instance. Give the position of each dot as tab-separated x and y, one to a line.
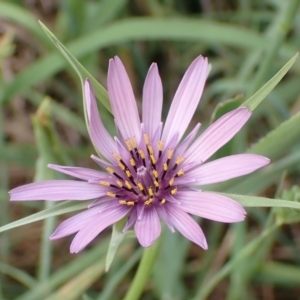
96	225
180	150
187	226
81	173
101	139
186	99
122	100
152	101
147	229
217	135
211	206
75	223
225	168
56	190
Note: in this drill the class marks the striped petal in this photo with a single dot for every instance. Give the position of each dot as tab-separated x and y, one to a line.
186	100
217	135
96	225
225	168
211	206
147	229
56	190
100	138
152	101
122	100
81	173
75	223
187	226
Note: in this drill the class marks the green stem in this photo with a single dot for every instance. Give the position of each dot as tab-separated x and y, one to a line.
143	272
284	27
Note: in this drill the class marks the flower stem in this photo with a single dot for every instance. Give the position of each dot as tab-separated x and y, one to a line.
143	272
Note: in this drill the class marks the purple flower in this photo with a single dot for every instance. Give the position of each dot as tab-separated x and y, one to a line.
150	171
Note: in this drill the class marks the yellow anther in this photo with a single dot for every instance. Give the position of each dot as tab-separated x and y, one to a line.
133	142
132	162
171	181
156	183
110	194
150	149
121	166
119	183
179	160
165	167
153	160
150	192
105	183
163	201
141	152
109	170
146	138
160	145
128	173
117	156
128	144
180	172
128	185
149	201
155	173
170	153
130	203
122	202
140	186
174	191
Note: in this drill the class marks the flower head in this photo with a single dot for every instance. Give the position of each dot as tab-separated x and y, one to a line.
150	170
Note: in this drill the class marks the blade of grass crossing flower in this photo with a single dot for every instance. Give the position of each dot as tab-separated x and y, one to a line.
99	90
262	93
253	201
58	209
287	133
116	238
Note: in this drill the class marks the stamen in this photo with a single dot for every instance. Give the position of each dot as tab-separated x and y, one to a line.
155	173
132	162
142	154
165	167
160	147
130	203
123	202
128	173
171	181
156	183
162	201
128	144
179	160
105	183
117	156
146	138
119	183
174	191
149	201
170	153
140	186
121	166
110	194
152	159
150	192
128	185
150	149
179	173
133	143
110	170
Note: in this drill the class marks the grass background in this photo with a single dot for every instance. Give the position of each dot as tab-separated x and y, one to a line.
42	121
